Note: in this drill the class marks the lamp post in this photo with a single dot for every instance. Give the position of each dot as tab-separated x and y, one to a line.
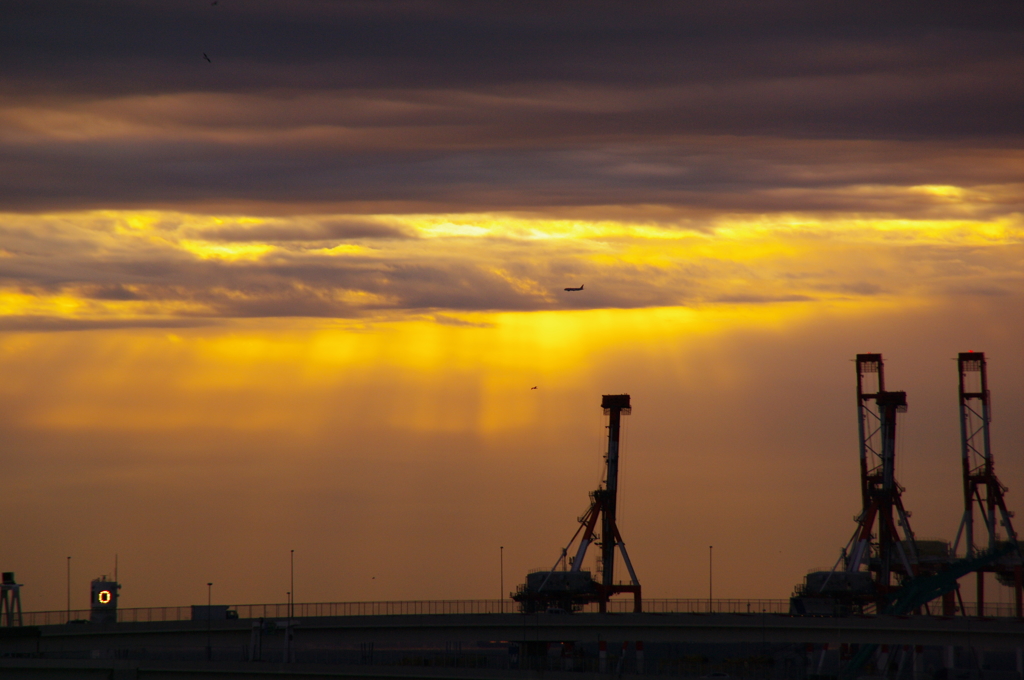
711	575
209	618
501	572
288	629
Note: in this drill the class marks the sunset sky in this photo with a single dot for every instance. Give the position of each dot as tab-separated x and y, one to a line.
295	296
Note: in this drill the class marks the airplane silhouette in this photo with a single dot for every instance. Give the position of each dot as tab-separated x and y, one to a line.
206	57
572	290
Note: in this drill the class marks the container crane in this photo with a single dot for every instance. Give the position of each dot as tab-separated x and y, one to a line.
982	490
571	587
882	551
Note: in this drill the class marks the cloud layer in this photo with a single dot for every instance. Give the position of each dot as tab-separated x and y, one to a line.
98	268
424	106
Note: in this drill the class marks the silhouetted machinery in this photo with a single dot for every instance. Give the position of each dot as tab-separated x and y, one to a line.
982	489
918	591
571	587
10	600
884	566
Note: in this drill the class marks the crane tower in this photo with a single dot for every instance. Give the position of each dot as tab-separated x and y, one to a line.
982	489
881	495
882	549
570	587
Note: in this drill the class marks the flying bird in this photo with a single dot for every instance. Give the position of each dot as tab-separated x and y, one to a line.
206	57
534	387
573	290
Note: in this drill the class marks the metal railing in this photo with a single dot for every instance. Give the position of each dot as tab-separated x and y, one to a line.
420	607
406	607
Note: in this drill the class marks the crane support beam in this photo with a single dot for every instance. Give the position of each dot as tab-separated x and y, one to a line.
613	405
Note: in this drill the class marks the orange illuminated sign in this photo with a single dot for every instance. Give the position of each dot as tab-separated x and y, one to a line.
103	596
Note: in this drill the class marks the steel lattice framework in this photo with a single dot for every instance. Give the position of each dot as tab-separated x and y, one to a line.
883	541
982	488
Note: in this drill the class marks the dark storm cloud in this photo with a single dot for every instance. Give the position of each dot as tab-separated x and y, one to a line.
110	292
130	47
729	174
324	230
470	105
335	119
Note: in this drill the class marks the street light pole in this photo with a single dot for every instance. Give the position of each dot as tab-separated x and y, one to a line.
288	629
711	575
209	617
